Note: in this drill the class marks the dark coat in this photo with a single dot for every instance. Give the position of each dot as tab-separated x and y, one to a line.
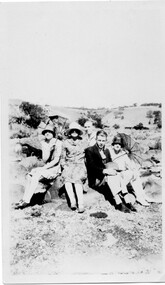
95	165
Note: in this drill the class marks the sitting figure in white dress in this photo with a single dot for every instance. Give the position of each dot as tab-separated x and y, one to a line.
51	154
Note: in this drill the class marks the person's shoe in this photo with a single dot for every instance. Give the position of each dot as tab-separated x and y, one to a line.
73	207
21	205
121	207
131	207
81	210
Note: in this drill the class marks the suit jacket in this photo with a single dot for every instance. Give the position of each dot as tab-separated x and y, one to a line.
95	165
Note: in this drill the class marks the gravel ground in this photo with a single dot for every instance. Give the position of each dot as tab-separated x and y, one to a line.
51	239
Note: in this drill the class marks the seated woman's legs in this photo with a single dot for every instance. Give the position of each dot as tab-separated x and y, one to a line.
32	182
128	176
71	195
80	198
125	178
31	186
115	186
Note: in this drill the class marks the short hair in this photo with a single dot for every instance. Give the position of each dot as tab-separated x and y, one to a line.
101	133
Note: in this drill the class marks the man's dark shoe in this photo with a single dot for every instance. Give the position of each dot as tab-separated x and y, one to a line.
131	207
121	207
21	205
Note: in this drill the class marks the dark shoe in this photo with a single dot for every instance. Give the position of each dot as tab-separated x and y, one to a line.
81	210
21	205
73	207
121	207
131	207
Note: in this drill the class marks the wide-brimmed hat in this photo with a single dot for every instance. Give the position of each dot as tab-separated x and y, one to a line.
118	140
50	129
74	126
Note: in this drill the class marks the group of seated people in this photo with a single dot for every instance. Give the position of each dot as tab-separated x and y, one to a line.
84	157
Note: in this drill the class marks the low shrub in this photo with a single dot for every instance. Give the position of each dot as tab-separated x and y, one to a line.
20	131
31	162
116	126
93	116
35	113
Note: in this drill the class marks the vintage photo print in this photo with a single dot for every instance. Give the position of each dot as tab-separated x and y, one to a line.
82	136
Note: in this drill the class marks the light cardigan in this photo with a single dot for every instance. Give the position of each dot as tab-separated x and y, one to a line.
122	160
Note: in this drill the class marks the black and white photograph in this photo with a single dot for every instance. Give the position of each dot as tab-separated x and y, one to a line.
81	141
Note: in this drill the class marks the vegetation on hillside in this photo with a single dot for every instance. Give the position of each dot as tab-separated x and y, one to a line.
152	104
94	116
157	117
36	114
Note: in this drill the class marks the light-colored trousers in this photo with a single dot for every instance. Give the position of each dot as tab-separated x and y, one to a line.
33	179
120	181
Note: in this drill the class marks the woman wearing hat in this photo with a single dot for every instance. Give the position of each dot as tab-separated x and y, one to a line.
127	172
51	153
74	170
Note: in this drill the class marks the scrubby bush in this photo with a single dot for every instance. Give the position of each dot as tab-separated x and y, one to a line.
82	120
16	120
151	104
20	131
16	116
97	120
31	162
158	118
116	126
158	145
35	112
94	116
140	127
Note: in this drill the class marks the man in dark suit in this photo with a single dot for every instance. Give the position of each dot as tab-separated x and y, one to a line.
97	157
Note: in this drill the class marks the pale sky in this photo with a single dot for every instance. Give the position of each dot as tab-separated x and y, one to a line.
93	54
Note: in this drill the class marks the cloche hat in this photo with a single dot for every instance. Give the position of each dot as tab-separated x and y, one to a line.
74	126
50	129
118	140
